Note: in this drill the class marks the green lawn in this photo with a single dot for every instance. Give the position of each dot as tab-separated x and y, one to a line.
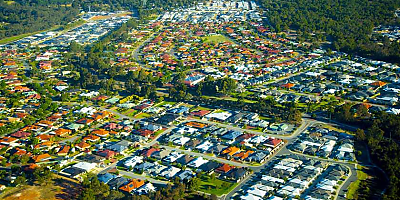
265	118
233	99
217	186
361	176
216	39
202	108
114	140
158	132
142	115
166	102
219	111
17	37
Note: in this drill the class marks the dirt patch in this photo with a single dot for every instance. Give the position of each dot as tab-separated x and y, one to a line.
27	193
99	17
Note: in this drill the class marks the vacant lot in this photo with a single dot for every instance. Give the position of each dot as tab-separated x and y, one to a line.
216	39
216	186
62	189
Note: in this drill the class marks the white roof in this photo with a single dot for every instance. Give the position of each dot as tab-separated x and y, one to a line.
286	168
326	187
257	192
181	141
304	183
313	74
89	94
172	157
312	198
346	148
272	179
146	188
393	111
308	143
86	110
250	197
262	187
328	146
220	116
313	168
258	139
186	129
197	162
170	172
328	182
204	146
85	165
289	190
131	162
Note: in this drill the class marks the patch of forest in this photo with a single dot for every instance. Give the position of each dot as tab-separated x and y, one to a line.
348	24
382	135
19	17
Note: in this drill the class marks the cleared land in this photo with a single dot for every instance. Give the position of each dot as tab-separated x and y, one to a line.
101	17
216	39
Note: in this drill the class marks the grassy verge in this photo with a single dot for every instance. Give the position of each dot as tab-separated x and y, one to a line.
158	132
74	24
361	176
17	37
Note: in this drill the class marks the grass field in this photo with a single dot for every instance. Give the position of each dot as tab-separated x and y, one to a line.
216	39
217	186
9	2
361	176
165	103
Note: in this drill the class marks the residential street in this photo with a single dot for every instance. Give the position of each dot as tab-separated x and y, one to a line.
307	122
